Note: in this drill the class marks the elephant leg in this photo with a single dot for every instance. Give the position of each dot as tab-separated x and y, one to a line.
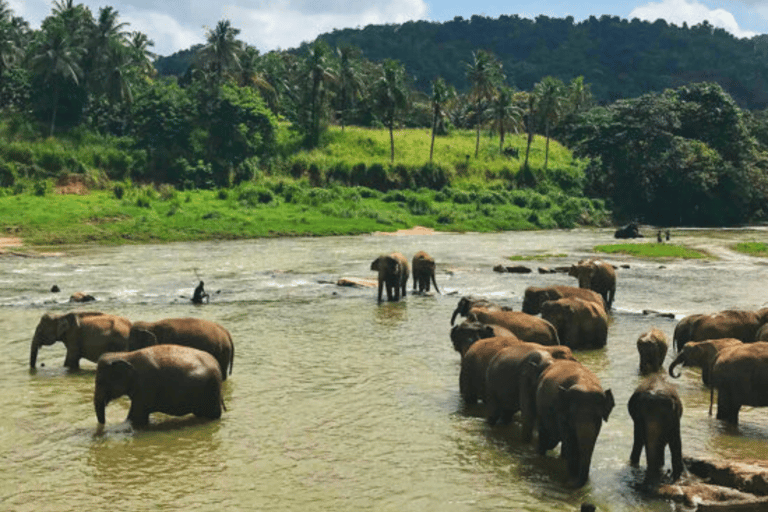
211	407
381	286
466	389
545	442
639	442
72	359
676	451
507	415
494	410
727	407
137	415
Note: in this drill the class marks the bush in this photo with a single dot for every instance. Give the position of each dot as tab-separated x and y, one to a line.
7	174
119	191
250	195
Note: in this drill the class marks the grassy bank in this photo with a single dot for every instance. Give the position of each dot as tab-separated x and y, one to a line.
758	249
346	186
652	250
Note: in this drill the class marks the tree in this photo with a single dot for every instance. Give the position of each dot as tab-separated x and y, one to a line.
442	94
318	72
391	97
349	81
484	75
549	98
505	114
221	53
57	61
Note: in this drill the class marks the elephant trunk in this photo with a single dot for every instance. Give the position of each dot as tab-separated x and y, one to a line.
100	404
679	359
33	353
586	439
455	314
435	283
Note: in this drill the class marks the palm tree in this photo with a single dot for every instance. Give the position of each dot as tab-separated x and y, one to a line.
530	124
442	93
56	61
391	97
505	114
350	82
318	72
484	75
221	53
550	99
139	45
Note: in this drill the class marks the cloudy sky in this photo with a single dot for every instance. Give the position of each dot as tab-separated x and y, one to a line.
270	24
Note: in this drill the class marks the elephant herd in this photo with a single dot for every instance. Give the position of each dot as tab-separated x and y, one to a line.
524	362
175	366
393	273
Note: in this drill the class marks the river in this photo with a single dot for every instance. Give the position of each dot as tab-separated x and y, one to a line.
337	402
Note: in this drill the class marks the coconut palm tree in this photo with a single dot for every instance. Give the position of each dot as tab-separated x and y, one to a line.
484	76
442	94
550	99
57	61
349	79
141	55
391	97
505	114
318	73
222	51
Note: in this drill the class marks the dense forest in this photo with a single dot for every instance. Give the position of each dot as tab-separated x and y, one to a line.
82	95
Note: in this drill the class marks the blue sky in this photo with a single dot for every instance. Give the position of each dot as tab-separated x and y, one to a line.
177	24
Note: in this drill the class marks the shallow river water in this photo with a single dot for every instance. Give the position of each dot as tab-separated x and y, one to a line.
336	402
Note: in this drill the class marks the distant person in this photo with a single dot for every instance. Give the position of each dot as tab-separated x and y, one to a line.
667	235
200	294
658	236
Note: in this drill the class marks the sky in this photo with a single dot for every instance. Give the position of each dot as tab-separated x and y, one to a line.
282	24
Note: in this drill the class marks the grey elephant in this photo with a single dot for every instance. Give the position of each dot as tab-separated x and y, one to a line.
701	354
570	408
423	269
170	379
579	324
475	363
597	275
197	333
85	334
463	335
534	296
733	323
740	376
393	272
506	371
469	303
656	409
652	347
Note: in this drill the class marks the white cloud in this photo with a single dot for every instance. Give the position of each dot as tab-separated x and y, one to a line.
693	13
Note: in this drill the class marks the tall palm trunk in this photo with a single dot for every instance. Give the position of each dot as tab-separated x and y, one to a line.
391	142
546	152
434	130
55	108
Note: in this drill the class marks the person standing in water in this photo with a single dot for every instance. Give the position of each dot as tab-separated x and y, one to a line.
200	294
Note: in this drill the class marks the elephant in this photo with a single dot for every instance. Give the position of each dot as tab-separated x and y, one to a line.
579	324
393	271
190	332
733	323
570	408
701	354
463	335
762	333
507	369
468	303
526	327
656	409
423	268
652	347
170	379
596	275
85	334
474	365
631	230
740	375
534	296
81	297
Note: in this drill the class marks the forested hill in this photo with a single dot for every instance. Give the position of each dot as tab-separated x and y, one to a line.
618	58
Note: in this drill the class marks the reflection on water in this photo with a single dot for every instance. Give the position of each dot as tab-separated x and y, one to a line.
337	402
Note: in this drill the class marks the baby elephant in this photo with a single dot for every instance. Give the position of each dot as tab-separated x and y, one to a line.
170	379
423	268
652	347
656	409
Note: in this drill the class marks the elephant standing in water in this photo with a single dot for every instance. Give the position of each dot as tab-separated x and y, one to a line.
190	332
423	268
570	407
701	354
740	375
534	297
656	409
733	323
652	347
596	275
463	335
85	334
170	379
393	272
579	324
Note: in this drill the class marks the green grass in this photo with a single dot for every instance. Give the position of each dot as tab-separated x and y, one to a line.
759	249
652	250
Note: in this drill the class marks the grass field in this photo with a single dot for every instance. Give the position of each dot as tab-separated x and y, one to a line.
752	248
652	250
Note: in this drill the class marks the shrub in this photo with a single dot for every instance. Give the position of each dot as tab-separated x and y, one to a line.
7	174
119	191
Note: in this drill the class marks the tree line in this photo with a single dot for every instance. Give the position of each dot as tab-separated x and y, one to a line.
688	155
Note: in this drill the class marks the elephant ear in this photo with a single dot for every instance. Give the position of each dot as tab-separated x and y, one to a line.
609	403
121	372
66	322
375	263
142	338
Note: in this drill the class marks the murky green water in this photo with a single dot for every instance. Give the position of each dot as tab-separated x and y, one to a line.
336	403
